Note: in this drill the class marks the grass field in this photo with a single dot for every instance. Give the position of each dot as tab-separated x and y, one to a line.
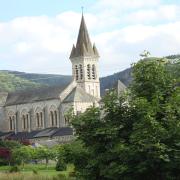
42	173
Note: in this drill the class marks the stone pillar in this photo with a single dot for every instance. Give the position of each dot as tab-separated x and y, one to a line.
18	122
46	117
61	118
15	124
32	119
29	121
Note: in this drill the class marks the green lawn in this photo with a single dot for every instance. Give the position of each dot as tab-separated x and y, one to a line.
43	172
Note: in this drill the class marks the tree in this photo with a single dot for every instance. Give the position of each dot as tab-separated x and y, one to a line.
23	154
138	134
44	153
6	148
145	54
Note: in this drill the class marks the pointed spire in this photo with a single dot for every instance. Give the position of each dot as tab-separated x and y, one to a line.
83	45
96	53
73	51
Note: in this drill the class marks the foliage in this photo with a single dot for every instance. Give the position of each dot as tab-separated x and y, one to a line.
14	169
43	173
60	166
138	133
9	144
10	82
6	148
22	154
41	153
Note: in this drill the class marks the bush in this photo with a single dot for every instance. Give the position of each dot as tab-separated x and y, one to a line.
14	169
60	166
35	171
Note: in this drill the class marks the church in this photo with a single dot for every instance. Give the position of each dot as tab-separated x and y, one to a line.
41	114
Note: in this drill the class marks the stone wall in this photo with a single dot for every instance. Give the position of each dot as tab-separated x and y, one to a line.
31	109
3	97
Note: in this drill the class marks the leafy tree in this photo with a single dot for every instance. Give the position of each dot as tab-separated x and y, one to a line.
23	154
44	153
6	148
137	136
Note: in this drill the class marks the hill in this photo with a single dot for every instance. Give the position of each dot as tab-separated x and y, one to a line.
43	79
10	82
14	80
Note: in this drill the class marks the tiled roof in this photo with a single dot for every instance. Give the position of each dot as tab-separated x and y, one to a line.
79	95
49	132
30	96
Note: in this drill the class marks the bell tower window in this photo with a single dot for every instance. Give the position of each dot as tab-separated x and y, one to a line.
89	71
93	72
81	71
76	72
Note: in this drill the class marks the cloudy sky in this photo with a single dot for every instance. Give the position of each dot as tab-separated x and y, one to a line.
37	35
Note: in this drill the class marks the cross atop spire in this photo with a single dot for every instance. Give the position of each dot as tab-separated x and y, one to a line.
82	8
83	46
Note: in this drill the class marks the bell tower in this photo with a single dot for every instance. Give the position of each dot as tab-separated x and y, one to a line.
84	57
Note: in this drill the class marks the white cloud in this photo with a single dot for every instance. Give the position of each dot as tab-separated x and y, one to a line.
42	44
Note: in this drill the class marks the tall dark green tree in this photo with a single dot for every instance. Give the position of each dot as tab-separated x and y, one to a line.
136	135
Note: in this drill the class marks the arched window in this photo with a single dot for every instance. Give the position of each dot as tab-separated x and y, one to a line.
25	120
55	114
39	117
52	118
12	120
76	72
37	120
93	71
89	71
81	71
11	123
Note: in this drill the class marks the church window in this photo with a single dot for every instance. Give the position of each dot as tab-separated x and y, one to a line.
55	113
11	118
41	119
77	72
81	71
11	123
37	117
27	120
24	122
89	71
93	71
52	118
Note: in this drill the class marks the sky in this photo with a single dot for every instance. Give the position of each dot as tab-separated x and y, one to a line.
37	35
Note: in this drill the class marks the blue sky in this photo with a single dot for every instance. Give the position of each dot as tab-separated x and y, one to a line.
37	35
10	9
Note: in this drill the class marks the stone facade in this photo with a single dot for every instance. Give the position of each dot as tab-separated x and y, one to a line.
43	109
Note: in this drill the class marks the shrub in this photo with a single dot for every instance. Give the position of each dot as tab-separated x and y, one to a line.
60	166
35	171
14	169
